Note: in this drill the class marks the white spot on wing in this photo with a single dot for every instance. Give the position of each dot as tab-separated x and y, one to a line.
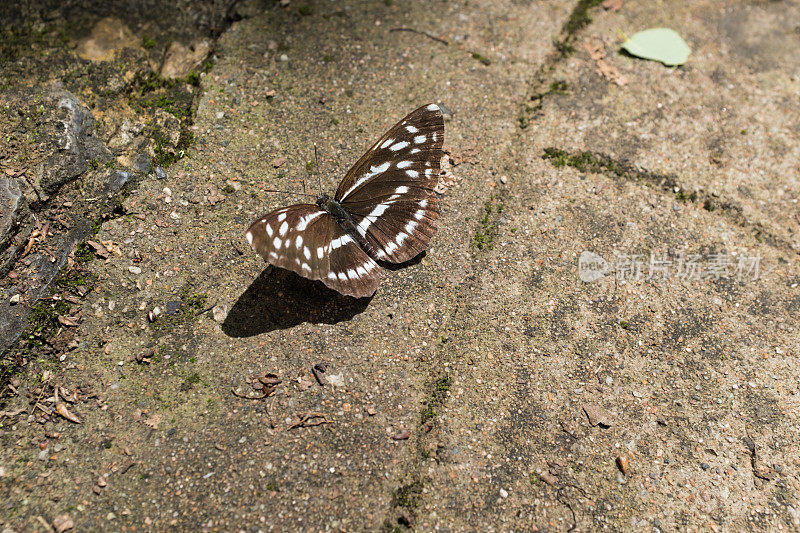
341	241
414	151
342	276
419	139
432	107
411	226
361	271
249	238
404	164
398	146
304	221
331	275
351	274
412	173
387	142
373	171
277	242
401	190
411	129
320	252
298	242
283	229
281	217
269	230
306	267
307	253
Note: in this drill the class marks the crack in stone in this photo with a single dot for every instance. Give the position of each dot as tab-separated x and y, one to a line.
598	163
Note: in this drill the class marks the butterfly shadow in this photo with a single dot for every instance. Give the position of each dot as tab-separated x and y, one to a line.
280	299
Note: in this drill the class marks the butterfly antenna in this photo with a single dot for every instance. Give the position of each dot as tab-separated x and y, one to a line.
290	192
316	166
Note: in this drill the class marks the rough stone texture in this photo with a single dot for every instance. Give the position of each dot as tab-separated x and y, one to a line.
11	201
485	351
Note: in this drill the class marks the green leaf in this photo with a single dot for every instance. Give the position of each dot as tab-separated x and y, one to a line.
658	44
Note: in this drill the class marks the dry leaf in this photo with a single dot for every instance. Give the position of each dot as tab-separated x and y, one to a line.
612	5
153	421
112	247
403	435
597	54
214	196
99	249
63	523
61	409
69	320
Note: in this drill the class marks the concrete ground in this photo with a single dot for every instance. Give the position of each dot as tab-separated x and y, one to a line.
486	386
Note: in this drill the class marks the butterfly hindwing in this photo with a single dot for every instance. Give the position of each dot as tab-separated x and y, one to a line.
307	240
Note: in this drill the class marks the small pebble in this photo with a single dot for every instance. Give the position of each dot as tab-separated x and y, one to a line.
504	493
503	179
15	299
160	173
705	466
134	270
284	58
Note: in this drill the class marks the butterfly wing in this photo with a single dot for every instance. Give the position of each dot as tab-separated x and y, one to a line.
307	240
389	191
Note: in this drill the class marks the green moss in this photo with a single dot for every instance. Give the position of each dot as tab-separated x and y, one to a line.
682	196
189	383
436	399
482	58
558	87
408	496
83	253
148	42
580	17
94	164
624	325
486	231
193	78
306	11
328	58
191	304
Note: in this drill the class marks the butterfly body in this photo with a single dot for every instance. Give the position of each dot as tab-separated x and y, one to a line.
383	210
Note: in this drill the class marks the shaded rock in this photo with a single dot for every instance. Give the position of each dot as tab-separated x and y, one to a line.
598	416
75	145
107	36
182	58
11	202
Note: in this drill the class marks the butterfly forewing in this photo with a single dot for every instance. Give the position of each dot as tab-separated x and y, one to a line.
307	240
406	155
389	192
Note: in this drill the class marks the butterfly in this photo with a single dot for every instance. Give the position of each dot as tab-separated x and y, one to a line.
384	210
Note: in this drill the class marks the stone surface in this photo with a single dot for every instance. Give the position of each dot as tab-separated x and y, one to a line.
108	36
483	353
183	58
11	201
